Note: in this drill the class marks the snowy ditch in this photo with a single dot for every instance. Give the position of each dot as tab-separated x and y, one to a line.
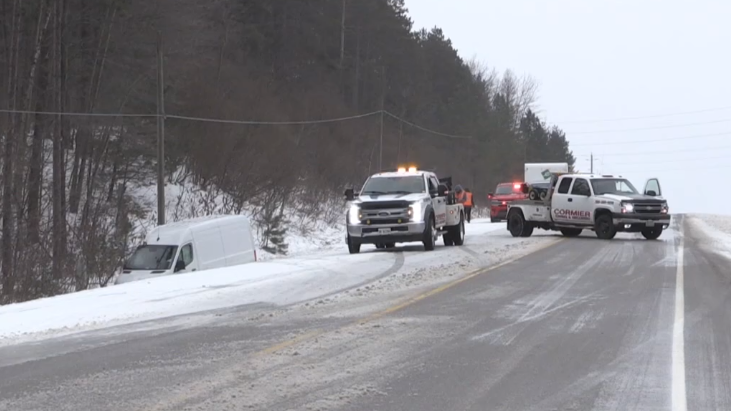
331	276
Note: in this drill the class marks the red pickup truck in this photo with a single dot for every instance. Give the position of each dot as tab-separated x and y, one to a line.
504	194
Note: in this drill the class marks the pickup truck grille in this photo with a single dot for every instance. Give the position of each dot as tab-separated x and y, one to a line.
391	212
648	208
384	205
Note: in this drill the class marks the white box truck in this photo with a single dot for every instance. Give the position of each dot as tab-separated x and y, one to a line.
538	177
191	245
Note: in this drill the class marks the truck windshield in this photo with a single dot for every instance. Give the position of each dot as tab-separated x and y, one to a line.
506	189
612	186
394	185
152	257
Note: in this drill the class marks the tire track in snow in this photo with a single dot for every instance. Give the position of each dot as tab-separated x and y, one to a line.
398	264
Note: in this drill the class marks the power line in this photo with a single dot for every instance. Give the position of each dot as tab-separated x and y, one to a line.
272	123
240	122
423	128
653	152
685	171
57	113
642	163
657	140
648	128
644	117
189	118
622	166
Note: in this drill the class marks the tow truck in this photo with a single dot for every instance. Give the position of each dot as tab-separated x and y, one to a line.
604	204
407	205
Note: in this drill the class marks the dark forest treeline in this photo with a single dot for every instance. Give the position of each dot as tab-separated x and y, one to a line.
66	206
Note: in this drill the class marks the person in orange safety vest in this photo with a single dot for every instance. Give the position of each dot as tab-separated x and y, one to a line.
464	196
468	204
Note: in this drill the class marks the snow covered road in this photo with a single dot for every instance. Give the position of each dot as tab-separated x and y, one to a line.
325	277
585	324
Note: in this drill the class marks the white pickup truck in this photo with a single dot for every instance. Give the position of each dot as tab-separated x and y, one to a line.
401	207
602	203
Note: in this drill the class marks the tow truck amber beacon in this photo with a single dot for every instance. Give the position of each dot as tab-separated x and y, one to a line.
602	203
408	205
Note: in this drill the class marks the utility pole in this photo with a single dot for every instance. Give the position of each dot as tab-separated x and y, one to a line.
160	134
380	146
383	104
592	163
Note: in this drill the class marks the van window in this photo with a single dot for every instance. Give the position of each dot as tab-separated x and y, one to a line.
186	254
563	188
152	257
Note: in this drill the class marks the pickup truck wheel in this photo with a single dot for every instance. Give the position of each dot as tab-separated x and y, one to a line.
430	234
353	247
604	227
571	232
652	233
457	232
527	230
516	224
390	245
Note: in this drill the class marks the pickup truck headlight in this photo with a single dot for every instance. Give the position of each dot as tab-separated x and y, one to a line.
354	214
416	212
664	209
628	207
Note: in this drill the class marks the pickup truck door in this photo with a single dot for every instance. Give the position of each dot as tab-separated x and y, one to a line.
652	188
575	206
559	200
582	202
439	203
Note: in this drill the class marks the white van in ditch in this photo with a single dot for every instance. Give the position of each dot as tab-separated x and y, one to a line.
194	245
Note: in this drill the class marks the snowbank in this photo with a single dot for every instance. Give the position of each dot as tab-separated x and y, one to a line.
717	229
281	281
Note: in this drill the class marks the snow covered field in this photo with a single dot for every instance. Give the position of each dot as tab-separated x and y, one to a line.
329	276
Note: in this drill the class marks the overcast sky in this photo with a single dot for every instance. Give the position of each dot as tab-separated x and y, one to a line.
668	62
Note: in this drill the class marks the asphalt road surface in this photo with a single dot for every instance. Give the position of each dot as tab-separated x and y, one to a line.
584	324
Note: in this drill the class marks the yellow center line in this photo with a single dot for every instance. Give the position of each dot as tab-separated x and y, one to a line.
400	306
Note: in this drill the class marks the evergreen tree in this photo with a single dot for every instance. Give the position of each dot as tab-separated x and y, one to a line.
274	232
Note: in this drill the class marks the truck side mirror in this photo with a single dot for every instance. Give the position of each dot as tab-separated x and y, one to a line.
349	194
489	196
179	265
442	190
651	193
